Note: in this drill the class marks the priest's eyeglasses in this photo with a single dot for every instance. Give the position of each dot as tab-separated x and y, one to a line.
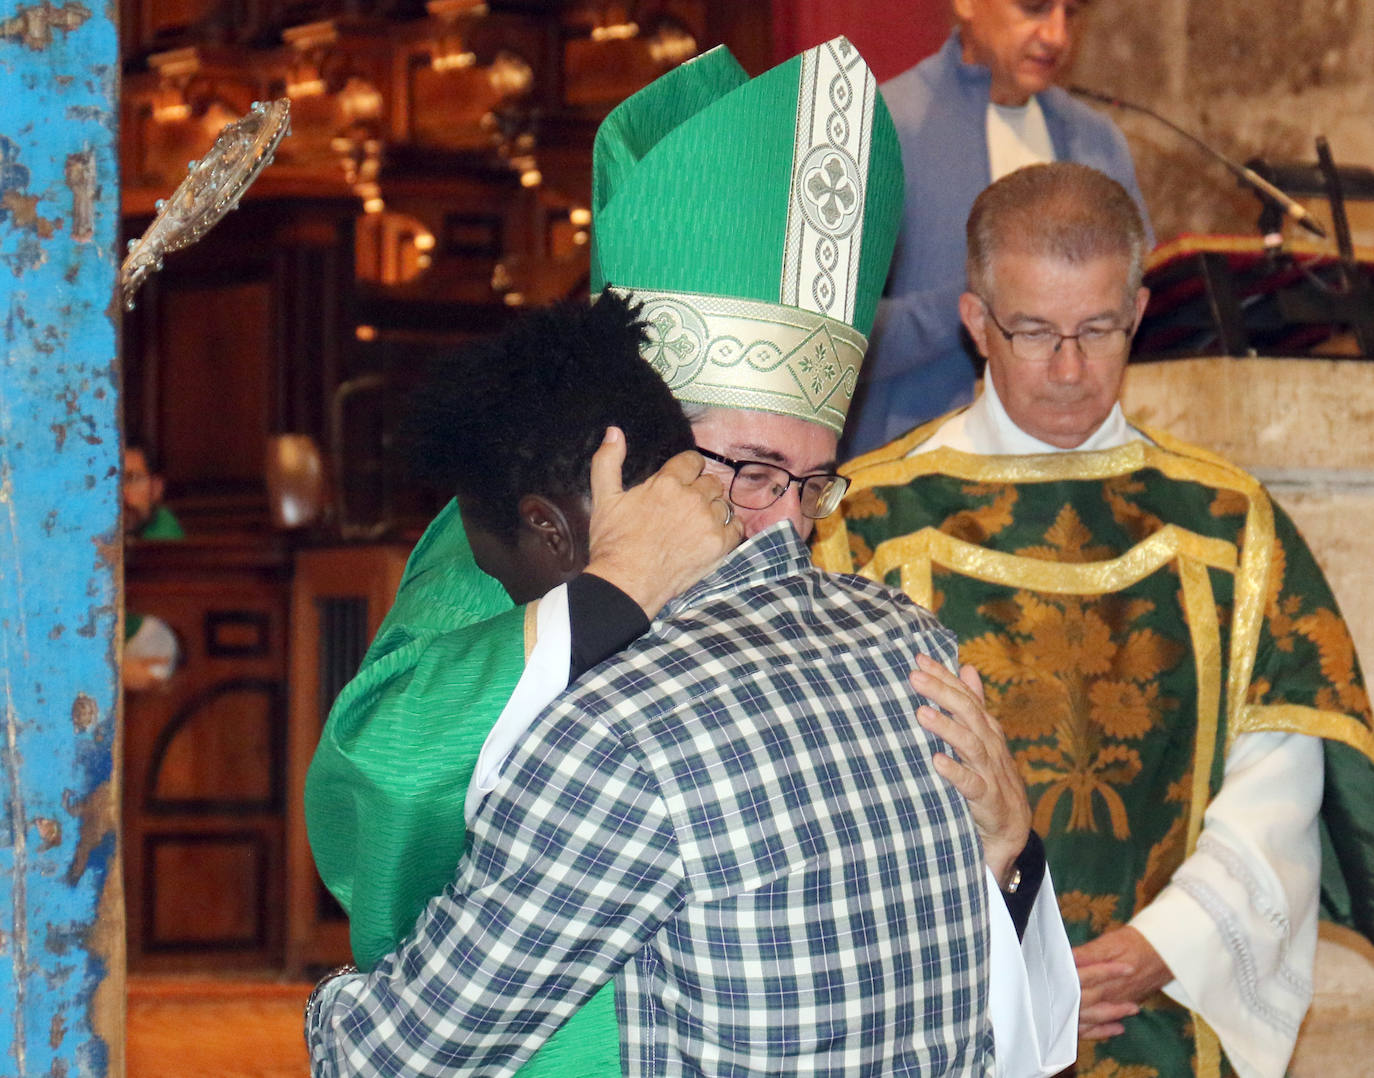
1037	345
756	485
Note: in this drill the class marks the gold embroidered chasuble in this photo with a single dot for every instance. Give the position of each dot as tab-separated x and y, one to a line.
1131	611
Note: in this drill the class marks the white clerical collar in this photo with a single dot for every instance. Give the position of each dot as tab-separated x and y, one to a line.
986	429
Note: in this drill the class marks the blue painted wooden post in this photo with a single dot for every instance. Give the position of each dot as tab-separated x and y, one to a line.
61	900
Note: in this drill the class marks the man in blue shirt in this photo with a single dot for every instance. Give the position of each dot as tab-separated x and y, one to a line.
981	107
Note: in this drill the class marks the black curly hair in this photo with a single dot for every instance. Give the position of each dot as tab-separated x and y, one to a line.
523	412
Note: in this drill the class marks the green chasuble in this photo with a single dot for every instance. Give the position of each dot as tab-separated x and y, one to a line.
1131	612
384	794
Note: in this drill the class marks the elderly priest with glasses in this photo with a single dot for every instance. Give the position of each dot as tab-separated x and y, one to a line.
743	820
1158	643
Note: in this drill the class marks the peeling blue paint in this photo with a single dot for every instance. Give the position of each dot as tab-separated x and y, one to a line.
59	519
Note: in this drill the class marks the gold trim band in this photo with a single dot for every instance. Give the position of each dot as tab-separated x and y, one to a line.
914	555
1297	719
1200	610
1208	1048
733	353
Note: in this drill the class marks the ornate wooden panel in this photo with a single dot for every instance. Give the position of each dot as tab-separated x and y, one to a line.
223	877
205	759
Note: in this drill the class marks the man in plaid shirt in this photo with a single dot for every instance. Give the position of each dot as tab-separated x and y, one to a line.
740	814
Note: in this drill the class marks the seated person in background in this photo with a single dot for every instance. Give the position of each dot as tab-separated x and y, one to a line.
145	517
1158	642
151	651
517	426
981	107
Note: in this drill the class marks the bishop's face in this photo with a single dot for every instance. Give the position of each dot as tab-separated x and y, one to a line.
801	447
1065	397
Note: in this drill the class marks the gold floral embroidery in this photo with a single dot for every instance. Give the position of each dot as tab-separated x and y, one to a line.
1229	503
1328	633
1349	699
1068	538
1144	655
1123	708
1089	1066
1063	636
864	504
1027	709
979	522
1098	910
859	550
1072	672
1165	855
1278	610
1059	672
1138	523
1085	769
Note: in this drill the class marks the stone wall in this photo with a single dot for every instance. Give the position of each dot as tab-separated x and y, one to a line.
1249	77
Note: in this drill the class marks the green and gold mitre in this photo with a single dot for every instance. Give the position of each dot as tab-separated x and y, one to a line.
754	219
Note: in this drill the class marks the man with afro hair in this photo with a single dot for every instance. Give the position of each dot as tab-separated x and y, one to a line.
534	432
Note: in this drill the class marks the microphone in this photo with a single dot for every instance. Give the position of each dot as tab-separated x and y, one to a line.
1246	175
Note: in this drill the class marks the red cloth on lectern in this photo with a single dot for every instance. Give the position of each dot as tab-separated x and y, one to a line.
891	34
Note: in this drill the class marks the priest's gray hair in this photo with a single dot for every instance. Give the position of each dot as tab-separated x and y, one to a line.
1062	210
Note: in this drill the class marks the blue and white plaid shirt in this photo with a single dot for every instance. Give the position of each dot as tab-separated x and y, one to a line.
739	818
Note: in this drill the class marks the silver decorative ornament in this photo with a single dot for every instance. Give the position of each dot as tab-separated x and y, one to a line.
212	187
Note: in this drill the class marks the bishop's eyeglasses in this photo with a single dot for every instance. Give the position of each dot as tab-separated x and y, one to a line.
1037	345
756	485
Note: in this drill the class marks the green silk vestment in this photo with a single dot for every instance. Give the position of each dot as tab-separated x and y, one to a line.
385	792
1131	611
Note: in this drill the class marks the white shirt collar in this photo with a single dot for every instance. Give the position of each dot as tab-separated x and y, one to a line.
1017	136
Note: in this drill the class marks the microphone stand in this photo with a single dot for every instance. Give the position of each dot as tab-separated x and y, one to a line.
1353	300
1247	176
1351	303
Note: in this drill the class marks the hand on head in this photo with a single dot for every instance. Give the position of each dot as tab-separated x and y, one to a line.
655	540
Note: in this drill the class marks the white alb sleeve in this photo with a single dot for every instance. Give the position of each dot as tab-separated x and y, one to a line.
1033	994
545	676
1237	924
